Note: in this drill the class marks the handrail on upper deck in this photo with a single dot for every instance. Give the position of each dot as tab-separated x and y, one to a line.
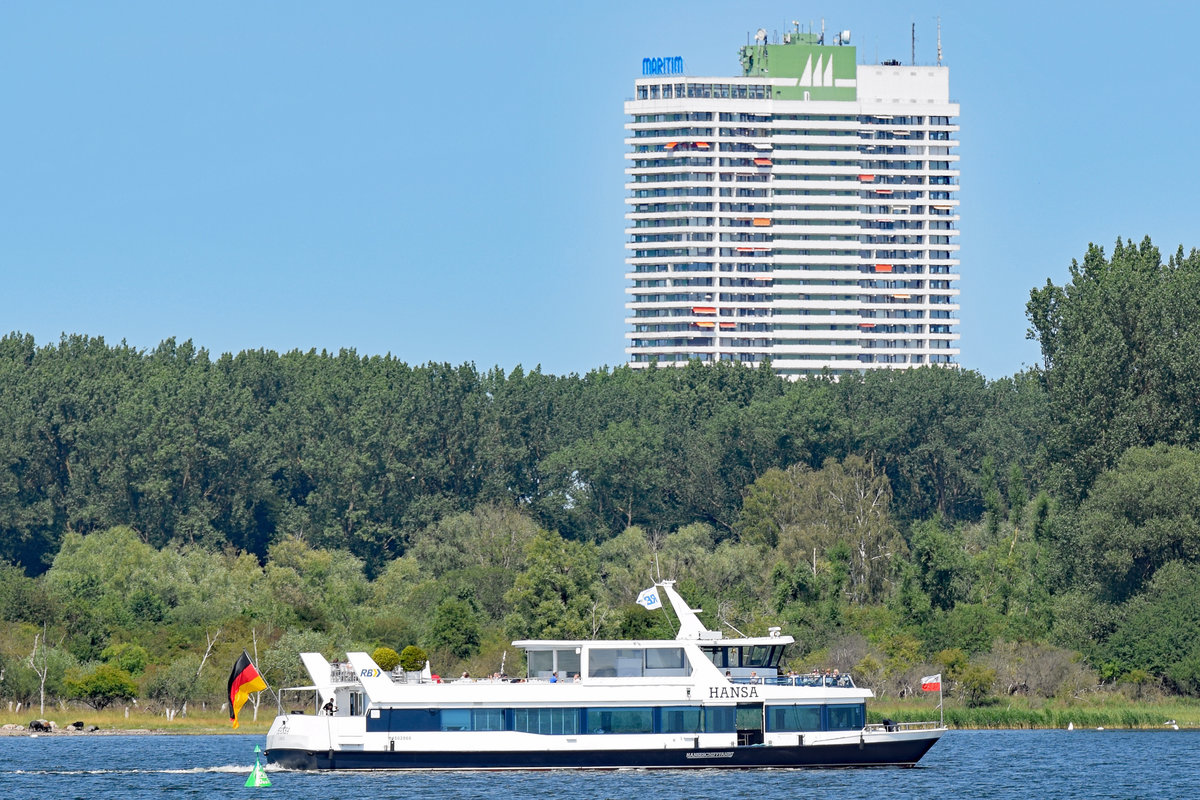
838	682
896	727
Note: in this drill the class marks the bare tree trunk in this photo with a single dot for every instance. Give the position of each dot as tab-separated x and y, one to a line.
212	641
597	623
41	673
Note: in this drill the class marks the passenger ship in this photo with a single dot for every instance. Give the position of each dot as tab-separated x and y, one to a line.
700	700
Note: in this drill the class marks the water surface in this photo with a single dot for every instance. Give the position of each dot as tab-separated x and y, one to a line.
965	764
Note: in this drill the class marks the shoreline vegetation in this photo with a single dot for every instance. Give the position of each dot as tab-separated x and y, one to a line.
1127	715
163	512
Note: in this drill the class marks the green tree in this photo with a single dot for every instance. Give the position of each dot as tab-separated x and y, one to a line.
808	512
1140	515
176	683
1120	346
1160	632
101	686
455	628
556	596
615	477
926	429
486	536
127	656
941	563
413	658
975	682
387	658
627	565
322	588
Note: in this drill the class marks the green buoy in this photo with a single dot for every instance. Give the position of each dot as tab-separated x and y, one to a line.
258	775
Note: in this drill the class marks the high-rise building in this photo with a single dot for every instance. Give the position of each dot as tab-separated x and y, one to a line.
804	212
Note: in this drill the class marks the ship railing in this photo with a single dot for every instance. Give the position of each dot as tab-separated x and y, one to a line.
832	681
342	673
887	726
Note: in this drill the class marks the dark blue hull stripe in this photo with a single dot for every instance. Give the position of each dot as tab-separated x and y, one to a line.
879	754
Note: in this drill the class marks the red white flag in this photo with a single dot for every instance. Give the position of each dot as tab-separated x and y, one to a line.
932	683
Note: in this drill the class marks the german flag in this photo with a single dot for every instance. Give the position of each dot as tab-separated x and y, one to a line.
243	680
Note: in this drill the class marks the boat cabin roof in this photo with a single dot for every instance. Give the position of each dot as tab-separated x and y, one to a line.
562	644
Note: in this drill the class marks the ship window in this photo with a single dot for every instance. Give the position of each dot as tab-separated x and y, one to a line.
846	717
615	663
413	719
716	655
720	719
567	663
602	663
756	656
620	720
665	658
777	654
793	718
680	719
456	719
546	720
487	719
540	663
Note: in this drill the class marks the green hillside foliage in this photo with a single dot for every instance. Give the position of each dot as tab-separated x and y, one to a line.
1036	535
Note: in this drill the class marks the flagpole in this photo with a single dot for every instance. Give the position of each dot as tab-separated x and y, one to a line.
664	605
941	706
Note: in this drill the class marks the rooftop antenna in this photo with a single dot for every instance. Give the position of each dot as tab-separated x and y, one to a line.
914	44
822	30
939	29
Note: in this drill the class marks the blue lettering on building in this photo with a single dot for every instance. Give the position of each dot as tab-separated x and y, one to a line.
672	65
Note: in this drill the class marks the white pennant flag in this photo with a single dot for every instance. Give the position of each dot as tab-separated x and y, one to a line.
650	599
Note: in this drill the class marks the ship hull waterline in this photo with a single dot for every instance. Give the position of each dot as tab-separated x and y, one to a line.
905	753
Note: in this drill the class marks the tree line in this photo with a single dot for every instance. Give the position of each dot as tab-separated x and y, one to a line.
158	507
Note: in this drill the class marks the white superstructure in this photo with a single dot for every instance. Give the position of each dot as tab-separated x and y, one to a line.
698	700
805	212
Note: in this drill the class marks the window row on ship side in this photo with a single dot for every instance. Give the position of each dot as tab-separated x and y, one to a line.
573	721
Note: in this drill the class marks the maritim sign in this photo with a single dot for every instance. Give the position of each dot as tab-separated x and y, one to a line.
672	65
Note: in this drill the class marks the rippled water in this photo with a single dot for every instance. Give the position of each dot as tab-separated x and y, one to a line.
965	764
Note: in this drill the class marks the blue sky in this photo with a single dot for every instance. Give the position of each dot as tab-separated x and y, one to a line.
445	182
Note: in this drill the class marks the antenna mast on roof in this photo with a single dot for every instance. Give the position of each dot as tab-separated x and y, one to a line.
914	44
939	29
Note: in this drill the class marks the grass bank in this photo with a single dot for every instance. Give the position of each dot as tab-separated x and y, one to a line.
1022	714
116	720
